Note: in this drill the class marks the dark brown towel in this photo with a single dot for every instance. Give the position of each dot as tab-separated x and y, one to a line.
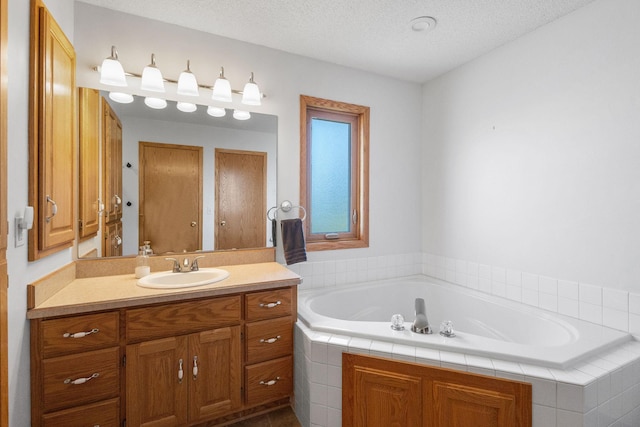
293	241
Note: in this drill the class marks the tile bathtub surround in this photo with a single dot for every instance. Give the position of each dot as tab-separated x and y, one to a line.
617	309
602	391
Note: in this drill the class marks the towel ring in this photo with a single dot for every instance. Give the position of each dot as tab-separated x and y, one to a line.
285	206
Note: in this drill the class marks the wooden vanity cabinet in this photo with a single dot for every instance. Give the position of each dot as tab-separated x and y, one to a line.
52	141
382	392
76	370
269	345
205	361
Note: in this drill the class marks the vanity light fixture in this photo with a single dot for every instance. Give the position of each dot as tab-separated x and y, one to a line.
241	115
155	103
216	111
122	98
186	107
251	93
221	88
111	71
187	83
152	77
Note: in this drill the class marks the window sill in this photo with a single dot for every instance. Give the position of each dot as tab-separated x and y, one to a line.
327	245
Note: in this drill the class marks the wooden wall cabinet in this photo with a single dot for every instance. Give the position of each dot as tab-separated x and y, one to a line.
204	361
89	166
112	162
52	142
382	392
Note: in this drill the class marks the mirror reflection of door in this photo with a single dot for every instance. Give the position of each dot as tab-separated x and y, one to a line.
170	185
241	194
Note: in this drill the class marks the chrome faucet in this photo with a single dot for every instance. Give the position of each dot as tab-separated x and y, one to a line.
186	266
421	323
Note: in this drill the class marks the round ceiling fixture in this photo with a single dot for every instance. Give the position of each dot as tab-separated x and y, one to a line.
423	24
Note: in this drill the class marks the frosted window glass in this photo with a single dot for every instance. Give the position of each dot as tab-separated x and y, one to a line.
330	176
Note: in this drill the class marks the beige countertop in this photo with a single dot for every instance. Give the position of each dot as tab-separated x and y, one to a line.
90	294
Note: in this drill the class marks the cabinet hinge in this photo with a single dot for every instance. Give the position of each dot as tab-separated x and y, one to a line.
80	223
124	423
124	360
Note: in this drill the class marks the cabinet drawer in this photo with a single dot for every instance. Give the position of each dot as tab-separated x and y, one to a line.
269	339
268	304
58	372
270	380
102	414
81	333
182	318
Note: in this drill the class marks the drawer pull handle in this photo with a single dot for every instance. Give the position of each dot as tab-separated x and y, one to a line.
79	381
271	304
180	372
80	334
195	367
270	340
270	382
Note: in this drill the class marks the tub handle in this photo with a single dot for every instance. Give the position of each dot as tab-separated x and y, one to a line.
270	340
270	382
271	304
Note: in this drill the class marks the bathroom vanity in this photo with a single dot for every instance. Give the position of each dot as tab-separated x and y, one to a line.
105	351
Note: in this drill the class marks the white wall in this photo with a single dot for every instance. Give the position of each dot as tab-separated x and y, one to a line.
532	152
395	135
22	272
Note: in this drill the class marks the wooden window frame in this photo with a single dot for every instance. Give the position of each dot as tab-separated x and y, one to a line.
359	238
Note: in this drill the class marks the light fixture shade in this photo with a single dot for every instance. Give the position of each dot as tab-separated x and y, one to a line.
221	88
122	98
111	71
187	83
216	111
251	93
241	115
155	103
186	107
152	77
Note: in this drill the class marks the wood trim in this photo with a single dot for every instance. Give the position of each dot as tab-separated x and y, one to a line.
363	112
4	279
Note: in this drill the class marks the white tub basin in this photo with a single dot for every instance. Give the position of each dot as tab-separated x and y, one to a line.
171	280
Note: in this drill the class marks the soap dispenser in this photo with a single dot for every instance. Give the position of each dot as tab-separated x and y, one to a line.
142	263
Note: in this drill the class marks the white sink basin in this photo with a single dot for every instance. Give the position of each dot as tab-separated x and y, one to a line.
171	280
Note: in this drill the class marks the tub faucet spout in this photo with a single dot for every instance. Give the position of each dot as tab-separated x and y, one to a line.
421	323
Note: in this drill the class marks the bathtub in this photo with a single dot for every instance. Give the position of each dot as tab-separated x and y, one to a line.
484	325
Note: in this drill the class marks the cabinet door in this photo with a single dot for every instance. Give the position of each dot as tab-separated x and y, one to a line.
112	162
156	390
459	406
377	398
53	164
112	239
89	185
215	388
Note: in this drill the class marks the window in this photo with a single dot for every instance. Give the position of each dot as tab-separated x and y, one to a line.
334	169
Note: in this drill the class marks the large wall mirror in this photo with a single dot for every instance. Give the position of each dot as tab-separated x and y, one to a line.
190	176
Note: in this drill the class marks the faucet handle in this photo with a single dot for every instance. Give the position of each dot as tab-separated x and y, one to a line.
176	264
194	264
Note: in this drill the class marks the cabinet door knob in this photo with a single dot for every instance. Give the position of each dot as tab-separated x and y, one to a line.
195	367
270	340
271	304
270	382
80	334
54	208
79	381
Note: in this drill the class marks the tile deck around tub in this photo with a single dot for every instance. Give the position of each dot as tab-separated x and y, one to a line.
601	391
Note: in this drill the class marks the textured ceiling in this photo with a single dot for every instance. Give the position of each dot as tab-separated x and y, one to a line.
373	35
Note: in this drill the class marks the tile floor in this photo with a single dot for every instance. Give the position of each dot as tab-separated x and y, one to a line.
284	417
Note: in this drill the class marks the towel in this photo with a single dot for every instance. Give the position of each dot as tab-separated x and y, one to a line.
274	232
293	241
